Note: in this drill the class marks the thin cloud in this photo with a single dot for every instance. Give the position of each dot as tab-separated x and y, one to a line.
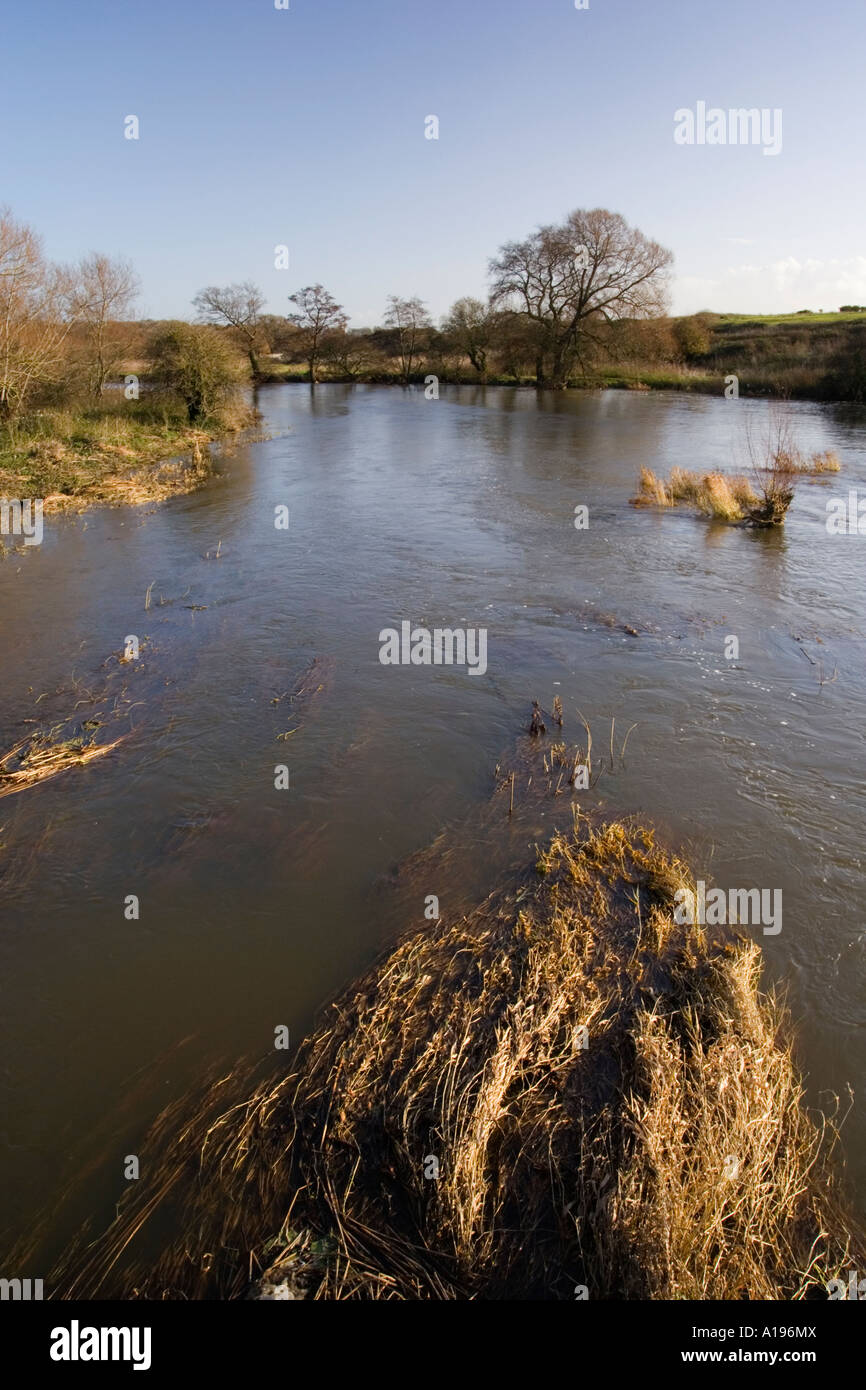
777	287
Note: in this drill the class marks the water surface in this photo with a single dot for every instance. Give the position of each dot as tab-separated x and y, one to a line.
257	904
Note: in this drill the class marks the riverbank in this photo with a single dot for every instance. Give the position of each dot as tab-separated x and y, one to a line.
805	356
753	384
117	452
618	379
563	1093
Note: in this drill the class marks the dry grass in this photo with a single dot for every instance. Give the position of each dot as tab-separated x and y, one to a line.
760	499
652	491
719	495
719	499
610	1101
826	461
40	757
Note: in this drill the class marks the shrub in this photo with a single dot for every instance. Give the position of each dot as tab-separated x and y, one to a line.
201	367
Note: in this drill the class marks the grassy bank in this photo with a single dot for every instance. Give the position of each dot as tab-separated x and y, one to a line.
613	378
562	1089
116	451
804	356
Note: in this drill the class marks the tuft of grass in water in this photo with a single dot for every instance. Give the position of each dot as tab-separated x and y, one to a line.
684	486
761	499
562	1087
40	757
718	499
652	491
826	461
718	495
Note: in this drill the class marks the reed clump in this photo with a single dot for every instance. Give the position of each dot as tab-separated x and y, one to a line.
825	461
562	1088
762	496
40	757
652	491
723	496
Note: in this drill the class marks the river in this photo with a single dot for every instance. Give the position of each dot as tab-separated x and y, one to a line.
256	904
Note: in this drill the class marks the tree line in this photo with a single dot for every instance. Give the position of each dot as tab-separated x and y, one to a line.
553	300
555	297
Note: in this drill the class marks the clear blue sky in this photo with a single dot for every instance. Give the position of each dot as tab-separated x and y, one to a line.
306	127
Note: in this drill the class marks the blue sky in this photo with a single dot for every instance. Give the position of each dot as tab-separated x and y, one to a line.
305	127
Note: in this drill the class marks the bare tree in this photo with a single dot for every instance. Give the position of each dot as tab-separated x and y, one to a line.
238	307
593	268
104	291
350	351
36	314
318	314
410	318
277	334
469	324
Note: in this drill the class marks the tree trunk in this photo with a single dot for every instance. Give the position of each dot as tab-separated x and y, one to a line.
560	370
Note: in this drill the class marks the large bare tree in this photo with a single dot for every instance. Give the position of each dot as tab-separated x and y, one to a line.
36	314
590	269
103	294
410	318
238	307
318	314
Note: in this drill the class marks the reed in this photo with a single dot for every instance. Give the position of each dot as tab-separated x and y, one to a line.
562	1087
39	757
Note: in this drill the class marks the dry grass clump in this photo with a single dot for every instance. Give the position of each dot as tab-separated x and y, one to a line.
795	462
760	499
718	495
652	491
39	757
685	486
826	461
562	1088
718	498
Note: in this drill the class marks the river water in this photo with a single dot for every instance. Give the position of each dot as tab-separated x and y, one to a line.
256	904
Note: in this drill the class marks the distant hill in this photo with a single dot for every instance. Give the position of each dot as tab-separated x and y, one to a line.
817	355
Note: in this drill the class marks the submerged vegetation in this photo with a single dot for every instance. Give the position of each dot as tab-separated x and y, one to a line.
561	1092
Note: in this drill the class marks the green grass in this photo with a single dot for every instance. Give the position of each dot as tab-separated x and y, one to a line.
653	378
829	317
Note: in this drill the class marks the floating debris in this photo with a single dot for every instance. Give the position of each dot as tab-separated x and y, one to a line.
38	758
